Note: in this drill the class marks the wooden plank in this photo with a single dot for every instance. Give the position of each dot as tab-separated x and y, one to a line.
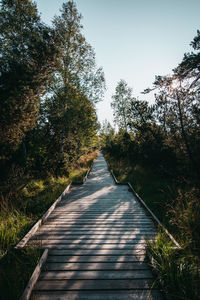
100	217
34	277
109	230
116	274
110	203
102	214
94	196
27	237
96	241
94	236
33	230
90	241
106	225
98	252
96	213
99	295
155	218
96	266
89	247
92	208
96	228
100	220
96	258
87	233
59	285
52	207
93	226
93	241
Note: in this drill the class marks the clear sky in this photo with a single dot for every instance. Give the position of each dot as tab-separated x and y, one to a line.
133	39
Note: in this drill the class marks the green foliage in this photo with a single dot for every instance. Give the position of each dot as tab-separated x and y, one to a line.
176	271
185	215
189	67
32	199
18	213
140	115
106	134
16	268
27	60
13	224
77	63
36	197
157	191
66	139
177	110
49	84
164	136
121	103
77	176
25	206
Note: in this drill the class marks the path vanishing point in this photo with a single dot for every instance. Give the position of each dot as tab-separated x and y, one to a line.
96	240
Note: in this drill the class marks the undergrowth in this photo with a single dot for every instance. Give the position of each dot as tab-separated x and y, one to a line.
175	269
15	269
18	212
156	191
178	208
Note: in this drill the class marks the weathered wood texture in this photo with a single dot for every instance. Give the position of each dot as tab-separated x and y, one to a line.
27	292
96	238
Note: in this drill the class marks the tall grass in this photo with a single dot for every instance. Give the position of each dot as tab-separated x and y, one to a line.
155	190
13	225
16	268
185	217
178	207
175	270
82	166
18	212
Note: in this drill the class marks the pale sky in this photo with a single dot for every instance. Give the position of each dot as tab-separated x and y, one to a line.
133	40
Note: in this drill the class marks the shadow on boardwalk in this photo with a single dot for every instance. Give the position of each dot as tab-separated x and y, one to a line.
96	236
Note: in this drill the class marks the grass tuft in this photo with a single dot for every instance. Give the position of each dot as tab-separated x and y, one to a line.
176	271
77	176
13	225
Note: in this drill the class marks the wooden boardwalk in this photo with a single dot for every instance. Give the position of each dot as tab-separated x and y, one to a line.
96	240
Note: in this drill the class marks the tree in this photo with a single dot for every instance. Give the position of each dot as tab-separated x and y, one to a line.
121	103
77	76
77	63
189	68
78	122
140	114
176	107
28	51
106	133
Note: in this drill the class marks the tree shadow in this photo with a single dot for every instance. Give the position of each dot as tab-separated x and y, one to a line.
96	240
